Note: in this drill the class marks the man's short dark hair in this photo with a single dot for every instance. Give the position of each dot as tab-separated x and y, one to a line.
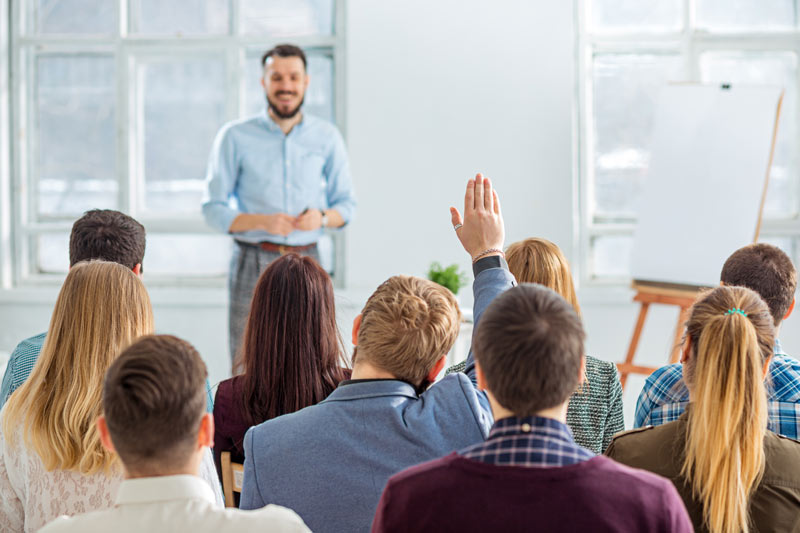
529	345
108	235
153	400
767	270
284	50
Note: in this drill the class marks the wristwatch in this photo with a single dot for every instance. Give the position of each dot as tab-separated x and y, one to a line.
324	219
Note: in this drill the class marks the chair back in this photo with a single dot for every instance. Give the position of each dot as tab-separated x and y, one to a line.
232	478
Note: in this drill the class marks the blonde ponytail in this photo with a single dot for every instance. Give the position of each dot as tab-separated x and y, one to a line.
732	336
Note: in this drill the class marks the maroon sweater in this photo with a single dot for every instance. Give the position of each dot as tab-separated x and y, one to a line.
461	495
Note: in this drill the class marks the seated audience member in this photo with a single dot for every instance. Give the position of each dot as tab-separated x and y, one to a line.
154	419
51	458
768	271
595	410
330	461
733	474
291	352
529	475
99	234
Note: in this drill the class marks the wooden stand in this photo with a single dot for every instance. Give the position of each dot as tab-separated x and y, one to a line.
652	294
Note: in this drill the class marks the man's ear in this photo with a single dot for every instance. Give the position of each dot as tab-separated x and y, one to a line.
356	327
263	82
686	353
791	308
105	436
582	375
479	375
137	269
431	377
206	435
308	79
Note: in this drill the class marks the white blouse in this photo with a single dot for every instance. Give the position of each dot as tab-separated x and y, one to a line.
30	496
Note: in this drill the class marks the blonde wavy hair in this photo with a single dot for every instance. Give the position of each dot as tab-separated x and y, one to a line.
101	309
540	261
727	419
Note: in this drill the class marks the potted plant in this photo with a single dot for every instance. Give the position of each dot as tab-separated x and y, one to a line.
449	277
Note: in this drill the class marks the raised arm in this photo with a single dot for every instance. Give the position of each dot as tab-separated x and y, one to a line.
482	233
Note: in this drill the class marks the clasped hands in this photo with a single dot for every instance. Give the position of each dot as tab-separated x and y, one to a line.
283	224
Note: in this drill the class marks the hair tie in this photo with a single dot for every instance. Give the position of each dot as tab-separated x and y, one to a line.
735	310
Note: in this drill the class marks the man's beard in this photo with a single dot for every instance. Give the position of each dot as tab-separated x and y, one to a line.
280	114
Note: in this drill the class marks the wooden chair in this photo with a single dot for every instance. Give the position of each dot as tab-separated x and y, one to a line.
232	478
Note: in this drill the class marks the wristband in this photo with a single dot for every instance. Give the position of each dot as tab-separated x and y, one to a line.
489	251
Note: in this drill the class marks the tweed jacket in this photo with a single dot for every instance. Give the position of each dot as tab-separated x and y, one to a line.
774	505
594	413
330	462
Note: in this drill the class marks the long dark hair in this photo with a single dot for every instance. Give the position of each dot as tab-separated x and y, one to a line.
292	349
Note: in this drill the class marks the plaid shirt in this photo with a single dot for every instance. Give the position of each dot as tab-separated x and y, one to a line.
21	363
665	396
531	441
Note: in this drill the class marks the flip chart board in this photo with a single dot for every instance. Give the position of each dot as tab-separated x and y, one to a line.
703	196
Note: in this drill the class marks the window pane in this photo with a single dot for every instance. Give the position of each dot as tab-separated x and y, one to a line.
76	134
637	15
188	17
767	68
76	16
743	15
611	256
184	106
319	96
624	95
187	255
286	18
52	253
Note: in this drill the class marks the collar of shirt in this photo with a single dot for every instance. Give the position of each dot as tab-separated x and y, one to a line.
273	126
531	441
163	488
778	350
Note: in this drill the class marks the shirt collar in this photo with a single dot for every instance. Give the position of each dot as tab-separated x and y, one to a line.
163	488
540	425
273	126
778	350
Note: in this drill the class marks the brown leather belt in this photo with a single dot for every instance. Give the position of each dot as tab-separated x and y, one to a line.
284	249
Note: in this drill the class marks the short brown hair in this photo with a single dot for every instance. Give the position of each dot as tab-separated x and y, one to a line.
407	325
153	399
108	235
529	345
285	50
767	270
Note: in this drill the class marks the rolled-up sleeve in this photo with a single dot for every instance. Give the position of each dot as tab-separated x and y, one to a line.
220	182
339	182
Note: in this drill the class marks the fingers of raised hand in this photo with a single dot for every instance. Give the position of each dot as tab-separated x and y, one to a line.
479	192
496	202
488	200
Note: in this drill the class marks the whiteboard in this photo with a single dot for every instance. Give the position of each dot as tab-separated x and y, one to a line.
702	197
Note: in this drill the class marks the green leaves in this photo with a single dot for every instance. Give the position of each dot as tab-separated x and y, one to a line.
448	277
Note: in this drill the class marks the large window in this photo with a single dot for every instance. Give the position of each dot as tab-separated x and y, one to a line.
628	50
116	104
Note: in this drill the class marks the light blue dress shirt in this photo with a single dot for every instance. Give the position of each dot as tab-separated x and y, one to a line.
255	168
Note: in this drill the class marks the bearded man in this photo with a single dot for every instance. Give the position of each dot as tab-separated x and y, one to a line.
274	181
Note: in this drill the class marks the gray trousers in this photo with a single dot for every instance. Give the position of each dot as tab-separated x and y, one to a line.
247	264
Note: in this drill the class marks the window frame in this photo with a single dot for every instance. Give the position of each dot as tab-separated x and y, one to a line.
20	222
689	44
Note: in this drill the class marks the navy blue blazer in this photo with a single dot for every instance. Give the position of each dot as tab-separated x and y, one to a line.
330	462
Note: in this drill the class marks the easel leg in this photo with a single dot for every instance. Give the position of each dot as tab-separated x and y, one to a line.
675	354
637	332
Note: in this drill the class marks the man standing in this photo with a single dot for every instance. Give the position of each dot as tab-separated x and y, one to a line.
287	175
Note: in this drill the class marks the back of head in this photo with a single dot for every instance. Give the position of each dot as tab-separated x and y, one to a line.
529	345
108	235
101	309
291	350
153	400
732	336
767	270
407	325
540	261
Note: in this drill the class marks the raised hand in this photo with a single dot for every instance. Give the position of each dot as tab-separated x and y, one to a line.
481	227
